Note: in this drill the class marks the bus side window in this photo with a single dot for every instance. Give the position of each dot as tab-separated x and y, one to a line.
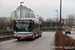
33	25
36	26
40	26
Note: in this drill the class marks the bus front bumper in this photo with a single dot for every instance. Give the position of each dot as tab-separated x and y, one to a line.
24	37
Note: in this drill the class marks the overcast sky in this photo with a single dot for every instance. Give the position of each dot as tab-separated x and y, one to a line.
44	8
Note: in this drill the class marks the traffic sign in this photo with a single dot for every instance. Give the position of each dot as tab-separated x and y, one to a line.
62	21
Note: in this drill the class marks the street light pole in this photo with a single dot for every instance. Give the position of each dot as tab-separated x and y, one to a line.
60	13
1	22
57	18
20	8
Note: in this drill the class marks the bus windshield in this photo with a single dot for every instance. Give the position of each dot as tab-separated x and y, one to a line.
23	26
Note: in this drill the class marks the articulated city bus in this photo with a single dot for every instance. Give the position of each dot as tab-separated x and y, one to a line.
28	28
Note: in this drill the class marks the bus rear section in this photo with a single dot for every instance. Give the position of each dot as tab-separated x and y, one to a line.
26	29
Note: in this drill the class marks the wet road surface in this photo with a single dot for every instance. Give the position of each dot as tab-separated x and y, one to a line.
42	43
72	34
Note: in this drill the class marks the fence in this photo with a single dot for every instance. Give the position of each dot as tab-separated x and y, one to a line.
6	35
51	24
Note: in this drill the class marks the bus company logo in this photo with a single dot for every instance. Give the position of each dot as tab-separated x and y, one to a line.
16	20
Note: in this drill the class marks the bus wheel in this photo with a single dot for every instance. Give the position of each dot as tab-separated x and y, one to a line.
40	34
18	39
36	35
33	37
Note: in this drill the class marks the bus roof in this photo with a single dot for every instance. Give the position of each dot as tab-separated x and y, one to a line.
26	19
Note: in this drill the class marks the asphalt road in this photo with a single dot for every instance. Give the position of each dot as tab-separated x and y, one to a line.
42	43
72	35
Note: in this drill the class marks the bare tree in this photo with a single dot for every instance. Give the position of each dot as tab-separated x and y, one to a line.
50	20
4	23
70	20
41	19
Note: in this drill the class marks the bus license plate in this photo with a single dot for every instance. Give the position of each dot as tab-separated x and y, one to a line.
22	37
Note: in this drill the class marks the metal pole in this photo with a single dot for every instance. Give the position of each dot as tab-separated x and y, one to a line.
20	10
57	18
1	22
60	13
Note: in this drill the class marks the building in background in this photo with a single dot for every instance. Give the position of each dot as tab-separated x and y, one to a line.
25	13
13	15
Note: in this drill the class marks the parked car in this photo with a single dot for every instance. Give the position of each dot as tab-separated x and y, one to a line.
67	31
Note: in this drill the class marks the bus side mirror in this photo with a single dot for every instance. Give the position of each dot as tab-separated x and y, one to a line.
11	23
40	26
33	23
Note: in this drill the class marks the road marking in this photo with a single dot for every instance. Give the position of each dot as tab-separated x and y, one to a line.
73	33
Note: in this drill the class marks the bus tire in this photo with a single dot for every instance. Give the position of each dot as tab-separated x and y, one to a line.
40	35
18	39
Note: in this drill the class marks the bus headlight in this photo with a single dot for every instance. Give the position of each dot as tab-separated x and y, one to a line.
14	31
31	34
15	35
